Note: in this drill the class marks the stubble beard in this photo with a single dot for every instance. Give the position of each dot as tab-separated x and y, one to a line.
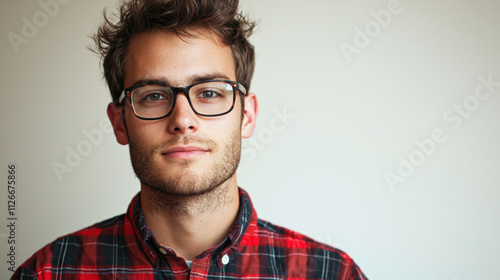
172	191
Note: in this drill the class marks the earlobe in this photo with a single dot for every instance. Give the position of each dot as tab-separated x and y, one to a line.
249	115
116	118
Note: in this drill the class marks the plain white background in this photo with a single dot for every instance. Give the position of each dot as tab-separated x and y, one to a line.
332	125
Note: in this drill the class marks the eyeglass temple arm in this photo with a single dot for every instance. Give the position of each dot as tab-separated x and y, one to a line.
241	88
120	99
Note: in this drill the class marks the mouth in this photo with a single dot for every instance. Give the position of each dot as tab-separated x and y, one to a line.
185	152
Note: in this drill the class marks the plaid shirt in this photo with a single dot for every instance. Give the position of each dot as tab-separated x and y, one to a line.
125	248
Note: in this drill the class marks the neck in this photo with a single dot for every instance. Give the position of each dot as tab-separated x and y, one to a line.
191	225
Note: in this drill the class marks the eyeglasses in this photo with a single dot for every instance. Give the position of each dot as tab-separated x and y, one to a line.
208	98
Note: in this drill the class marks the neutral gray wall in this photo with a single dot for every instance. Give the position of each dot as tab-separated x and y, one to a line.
338	112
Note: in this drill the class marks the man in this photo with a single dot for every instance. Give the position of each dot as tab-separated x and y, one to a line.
179	73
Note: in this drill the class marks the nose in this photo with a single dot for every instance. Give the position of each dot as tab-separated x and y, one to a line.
182	119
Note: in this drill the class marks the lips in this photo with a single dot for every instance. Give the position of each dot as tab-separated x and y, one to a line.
185	152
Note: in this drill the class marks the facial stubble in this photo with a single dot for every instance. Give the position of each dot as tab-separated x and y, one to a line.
187	184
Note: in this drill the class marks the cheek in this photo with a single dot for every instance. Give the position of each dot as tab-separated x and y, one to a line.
149	133
228	126
144	132
233	131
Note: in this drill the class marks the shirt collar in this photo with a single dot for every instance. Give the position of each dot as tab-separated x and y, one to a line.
235	240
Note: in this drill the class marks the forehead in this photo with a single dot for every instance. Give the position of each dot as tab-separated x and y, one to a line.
168	56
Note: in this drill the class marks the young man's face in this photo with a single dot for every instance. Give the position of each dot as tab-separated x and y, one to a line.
184	153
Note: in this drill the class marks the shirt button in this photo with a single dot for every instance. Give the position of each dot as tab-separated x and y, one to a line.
225	259
163	251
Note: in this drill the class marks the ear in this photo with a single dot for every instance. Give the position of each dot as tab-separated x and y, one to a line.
115	114
249	115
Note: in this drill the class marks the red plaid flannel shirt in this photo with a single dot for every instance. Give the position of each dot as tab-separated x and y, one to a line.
124	248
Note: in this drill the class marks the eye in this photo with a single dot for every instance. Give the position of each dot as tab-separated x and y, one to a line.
155	96
208	94
152	97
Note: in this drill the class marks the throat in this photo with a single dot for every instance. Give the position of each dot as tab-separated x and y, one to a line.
190	225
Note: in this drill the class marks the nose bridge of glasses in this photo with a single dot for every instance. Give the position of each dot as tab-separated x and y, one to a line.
178	90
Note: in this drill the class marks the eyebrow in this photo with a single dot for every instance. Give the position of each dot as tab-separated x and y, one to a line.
193	79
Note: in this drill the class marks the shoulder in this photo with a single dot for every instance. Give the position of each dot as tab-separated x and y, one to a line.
291	239
306	254
97	232
69	249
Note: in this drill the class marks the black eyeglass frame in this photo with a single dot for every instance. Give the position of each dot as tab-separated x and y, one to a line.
176	90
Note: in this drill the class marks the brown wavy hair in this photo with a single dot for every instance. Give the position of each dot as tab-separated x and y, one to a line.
179	16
